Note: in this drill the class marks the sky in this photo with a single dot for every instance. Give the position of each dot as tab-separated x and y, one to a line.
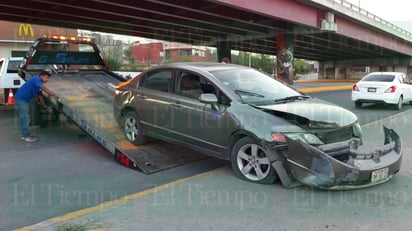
393	10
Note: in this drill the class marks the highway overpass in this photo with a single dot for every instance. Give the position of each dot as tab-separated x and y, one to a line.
336	33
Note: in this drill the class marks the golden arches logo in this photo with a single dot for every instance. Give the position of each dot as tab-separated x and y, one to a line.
25	29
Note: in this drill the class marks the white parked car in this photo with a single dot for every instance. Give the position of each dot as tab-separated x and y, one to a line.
384	88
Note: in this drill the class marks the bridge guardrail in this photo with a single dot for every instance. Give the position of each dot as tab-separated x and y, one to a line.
362	12
373	16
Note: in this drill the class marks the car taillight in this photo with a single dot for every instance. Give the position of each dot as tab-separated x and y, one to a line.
355	88
391	89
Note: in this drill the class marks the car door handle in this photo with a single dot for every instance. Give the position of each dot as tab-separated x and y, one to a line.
177	105
141	96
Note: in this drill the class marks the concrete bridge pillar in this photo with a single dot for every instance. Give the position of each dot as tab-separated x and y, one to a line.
223	50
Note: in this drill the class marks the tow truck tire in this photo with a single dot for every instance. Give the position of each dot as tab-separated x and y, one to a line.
133	129
250	162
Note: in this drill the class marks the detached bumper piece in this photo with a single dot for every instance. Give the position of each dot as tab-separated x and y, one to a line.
355	169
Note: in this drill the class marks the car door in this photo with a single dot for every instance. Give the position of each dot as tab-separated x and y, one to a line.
407	88
196	123
152	99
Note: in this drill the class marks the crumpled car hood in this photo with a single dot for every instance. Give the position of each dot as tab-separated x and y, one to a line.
315	110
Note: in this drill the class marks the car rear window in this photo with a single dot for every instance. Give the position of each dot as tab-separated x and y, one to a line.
379	78
13	66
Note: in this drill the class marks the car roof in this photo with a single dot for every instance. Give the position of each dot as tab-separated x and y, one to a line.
205	66
385	73
14	58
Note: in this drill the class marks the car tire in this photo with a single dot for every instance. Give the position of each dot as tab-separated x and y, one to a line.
399	105
250	162
358	104
133	129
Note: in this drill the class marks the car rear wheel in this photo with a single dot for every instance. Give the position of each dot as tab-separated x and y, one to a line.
250	162
398	106
133	129
358	104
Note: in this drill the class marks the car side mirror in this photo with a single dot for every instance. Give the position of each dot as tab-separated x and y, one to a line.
208	98
211	99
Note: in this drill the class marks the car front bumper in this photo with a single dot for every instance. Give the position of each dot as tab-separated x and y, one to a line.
361	168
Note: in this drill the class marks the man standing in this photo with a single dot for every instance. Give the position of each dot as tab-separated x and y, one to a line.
30	89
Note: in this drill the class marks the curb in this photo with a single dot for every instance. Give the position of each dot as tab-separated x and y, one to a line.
330	88
327	81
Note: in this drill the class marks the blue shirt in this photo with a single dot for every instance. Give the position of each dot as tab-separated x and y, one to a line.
29	89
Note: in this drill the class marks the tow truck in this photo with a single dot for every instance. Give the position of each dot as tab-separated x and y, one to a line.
84	86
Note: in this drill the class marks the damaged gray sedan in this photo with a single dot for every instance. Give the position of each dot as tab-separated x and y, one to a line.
267	130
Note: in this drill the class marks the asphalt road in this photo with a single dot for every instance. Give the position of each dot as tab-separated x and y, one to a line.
43	179
367	114
67	171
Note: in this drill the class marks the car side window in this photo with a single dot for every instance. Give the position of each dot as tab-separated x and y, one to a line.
405	79
189	85
159	81
192	86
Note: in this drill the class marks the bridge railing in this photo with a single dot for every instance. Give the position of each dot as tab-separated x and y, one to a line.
372	16
381	23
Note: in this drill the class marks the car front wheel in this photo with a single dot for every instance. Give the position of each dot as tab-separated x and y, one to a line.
133	129
250	162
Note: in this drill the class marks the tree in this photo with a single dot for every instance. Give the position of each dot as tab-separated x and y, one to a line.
113	64
261	62
301	66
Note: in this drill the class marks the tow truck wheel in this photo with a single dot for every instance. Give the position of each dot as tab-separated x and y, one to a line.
250	162
133	129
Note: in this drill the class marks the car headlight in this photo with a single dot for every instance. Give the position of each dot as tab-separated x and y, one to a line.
357	130
308	138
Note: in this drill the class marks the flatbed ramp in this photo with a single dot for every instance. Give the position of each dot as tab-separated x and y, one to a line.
87	100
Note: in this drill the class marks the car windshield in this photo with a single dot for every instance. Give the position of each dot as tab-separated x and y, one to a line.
254	87
379	78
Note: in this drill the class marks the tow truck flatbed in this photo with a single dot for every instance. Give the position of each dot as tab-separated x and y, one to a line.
85	98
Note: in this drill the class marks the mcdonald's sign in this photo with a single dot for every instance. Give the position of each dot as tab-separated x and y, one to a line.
24	29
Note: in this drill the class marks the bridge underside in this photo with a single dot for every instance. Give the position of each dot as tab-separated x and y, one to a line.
251	26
